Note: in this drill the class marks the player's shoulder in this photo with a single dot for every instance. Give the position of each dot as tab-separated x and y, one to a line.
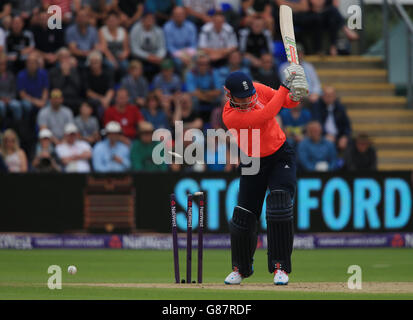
262	88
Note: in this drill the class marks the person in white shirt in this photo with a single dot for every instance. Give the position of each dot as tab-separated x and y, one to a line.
74	153
218	39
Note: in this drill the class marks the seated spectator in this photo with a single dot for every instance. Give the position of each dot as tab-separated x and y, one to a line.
360	155
235	63
203	84
153	113
46	159
333	118
198	11
141	151
267	72
181	38
314	152
257	9
135	83
218	39
99	84
47	41
33	84
5	9
163	9
55	116
294	121
25	9
19	44
13	156
124	113
114	43
111	154
66	77
8	92
129	11
73	153
185	112
87	124
65	6
255	41
81	37
97	10
167	83
314	85
148	44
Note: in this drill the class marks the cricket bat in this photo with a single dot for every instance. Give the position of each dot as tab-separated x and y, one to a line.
287	33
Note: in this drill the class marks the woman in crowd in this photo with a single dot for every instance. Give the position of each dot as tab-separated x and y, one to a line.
13	155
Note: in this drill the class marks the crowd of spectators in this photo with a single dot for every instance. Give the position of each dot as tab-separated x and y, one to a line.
88	96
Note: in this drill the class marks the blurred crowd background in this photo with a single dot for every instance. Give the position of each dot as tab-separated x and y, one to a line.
87	97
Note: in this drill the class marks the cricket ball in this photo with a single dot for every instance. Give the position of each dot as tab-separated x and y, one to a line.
71	269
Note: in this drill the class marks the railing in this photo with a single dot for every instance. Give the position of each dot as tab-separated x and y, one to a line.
401	12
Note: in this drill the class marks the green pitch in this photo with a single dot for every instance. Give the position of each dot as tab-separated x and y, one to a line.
143	274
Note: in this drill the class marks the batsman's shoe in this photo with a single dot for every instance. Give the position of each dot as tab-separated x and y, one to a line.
233	278
280	277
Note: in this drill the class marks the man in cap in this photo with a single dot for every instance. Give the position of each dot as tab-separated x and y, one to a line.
73	152
111	154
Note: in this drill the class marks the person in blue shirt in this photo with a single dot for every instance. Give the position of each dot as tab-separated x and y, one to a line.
181	38
153	112
162	9
315	153
33	85
294	121
203	84
81	37
111	155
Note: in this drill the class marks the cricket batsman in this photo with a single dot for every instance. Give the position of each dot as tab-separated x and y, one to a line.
254	106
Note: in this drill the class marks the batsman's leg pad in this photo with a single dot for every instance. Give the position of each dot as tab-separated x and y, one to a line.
280	230
243	229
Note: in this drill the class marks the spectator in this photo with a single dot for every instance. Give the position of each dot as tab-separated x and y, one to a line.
257	9
124	113
87	124
218	39
167	83
74	153
46	159
55	116
153	112
163	9
65	6
5	9
333	117
25	9
235	63
294	122
314	85
130	11
8	92
199	11
184	112
255	41
181	38
114	43
47	41
97	10
135	83
267	72
99	84
111	154
203	85
148	44
360	155
316	153
13	156
141	151
19	44
66	77
81	37
33	84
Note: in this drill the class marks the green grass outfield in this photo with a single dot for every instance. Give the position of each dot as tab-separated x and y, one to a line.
23	274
